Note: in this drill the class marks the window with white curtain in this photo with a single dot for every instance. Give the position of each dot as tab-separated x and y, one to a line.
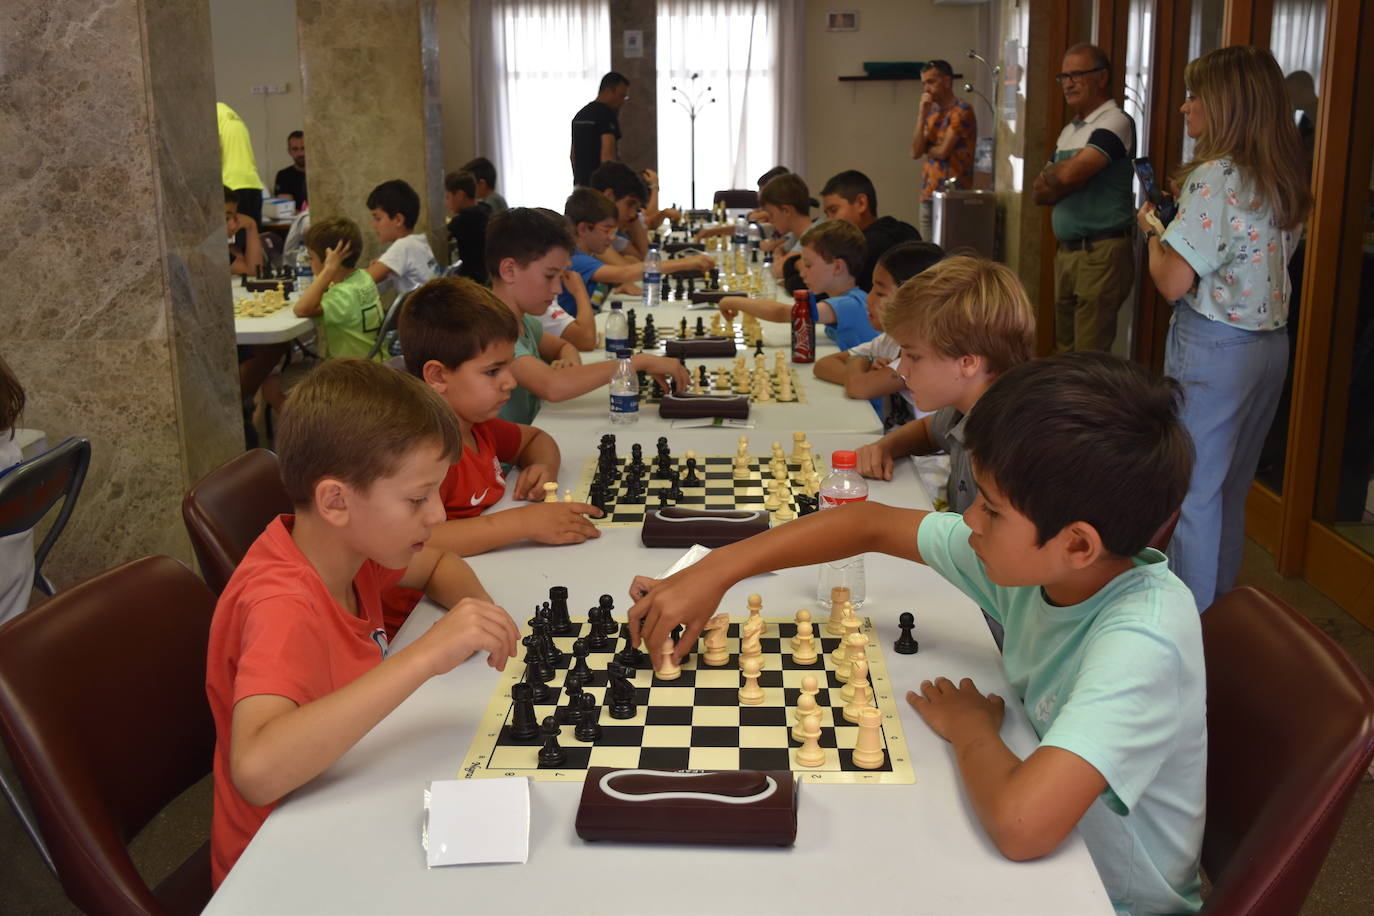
1140	37
1298	36
720	55
535	63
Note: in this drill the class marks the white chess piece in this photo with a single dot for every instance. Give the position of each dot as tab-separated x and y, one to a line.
805	653
751	694
835	625
810	754
785	511
797	439
868	750
858	679
806	706
802	616
667	669
810	686
847	691
551	492
754	624
749	647
567	496
852	642
717	652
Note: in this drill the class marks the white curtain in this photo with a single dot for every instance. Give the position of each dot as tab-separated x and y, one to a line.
739	63
534	64
1298	35
1140	37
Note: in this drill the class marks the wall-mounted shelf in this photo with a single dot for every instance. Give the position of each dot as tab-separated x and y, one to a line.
865	78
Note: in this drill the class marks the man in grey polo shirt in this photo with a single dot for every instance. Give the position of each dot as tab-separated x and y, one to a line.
1089	185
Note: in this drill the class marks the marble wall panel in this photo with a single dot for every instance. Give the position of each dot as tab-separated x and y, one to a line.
639	117
114	284
364	93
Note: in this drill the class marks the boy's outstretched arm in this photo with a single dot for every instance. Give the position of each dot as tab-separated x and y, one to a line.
549	384
1027	806
833	368
691	596
278	746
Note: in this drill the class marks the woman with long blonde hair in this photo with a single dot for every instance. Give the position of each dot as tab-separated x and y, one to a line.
1223	263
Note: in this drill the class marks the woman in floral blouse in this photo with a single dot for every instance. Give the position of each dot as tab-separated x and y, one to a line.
1223	263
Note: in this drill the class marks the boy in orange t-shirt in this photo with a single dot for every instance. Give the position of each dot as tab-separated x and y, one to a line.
460	339
298	668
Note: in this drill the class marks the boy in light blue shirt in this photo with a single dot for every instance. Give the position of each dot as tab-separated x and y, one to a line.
1079	459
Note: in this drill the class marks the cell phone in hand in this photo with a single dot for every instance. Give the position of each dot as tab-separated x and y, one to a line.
1165	205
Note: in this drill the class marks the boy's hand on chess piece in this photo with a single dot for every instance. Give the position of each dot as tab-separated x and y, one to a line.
729	307
472	625
688	597
956	712
560	523
662	368
334	257
701	262
530	484
873	462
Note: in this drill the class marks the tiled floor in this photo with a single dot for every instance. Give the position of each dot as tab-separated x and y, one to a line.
26	886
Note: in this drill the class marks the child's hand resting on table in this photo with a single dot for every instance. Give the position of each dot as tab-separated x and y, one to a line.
470	626
559	523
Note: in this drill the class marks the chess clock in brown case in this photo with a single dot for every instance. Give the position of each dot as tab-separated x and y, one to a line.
699	347
727	807
693	406
679	527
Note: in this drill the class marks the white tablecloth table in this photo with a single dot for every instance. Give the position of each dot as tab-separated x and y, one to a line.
349	841
275	328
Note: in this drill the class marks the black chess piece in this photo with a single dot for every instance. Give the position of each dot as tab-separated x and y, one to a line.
637	458
906	644
571	712
535	657
539	690
690	478
551	755
758	347
629	656
622	692
657	390
523	725
665	288
701	328
596	634
560	624
703	379
675	491
607	606
682	329
580	673
539	629
663	498
691	285
588	728
715	278
679	289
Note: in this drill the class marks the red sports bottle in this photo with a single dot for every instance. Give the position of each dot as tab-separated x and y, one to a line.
803	329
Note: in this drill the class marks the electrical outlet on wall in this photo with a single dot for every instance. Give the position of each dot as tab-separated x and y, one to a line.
270	88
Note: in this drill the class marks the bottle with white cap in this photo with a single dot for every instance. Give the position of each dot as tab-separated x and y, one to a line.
842	486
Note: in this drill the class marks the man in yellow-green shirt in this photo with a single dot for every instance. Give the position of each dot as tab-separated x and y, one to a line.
238	167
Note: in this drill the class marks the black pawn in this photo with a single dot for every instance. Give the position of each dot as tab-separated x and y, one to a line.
663	498
690	479
629	656
758	347
523	725
596	633
580	673
571	713
905	644
551	755
606	604
701	330
588	728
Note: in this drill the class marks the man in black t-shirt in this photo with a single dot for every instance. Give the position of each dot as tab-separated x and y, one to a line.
290	181
596	128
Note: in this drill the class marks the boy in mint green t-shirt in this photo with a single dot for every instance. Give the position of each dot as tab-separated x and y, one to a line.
341	298
1079	460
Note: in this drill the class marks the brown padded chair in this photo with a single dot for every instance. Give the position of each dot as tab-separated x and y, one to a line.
738	199
103	711
1166	531
1290	731
229	507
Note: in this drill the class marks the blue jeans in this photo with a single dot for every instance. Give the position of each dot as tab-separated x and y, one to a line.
1231	379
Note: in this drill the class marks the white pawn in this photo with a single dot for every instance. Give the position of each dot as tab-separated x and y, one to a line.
810	687
667	669
551	492
743	450
810	754
805	653
859	681
772	500
806	706
741	471
567	496
785	511
868	750
803	616
847	691
751	694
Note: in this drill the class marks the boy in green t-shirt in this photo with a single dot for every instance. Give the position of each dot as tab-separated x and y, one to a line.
342	299
1079	459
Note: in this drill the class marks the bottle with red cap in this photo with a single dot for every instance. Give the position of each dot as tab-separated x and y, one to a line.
841	486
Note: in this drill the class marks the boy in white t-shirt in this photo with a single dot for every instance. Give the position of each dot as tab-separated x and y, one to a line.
408	259
866	371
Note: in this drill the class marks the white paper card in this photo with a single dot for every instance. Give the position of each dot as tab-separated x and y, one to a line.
694	553
719	422
468	821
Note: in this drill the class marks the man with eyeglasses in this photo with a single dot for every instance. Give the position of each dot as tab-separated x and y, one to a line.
946	134
1088	182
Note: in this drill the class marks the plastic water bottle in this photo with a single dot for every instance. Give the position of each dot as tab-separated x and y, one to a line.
741	238
843	485
652	278
755	236
624	391
303	263
617	330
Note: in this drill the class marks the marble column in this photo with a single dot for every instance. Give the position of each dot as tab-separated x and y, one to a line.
639	117
370	88
114	289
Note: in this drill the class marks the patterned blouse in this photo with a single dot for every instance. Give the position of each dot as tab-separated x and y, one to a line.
959	118
1229	237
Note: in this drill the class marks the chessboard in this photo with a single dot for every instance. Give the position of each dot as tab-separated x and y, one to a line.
260	305
783	385
626	504
696	721
746	332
